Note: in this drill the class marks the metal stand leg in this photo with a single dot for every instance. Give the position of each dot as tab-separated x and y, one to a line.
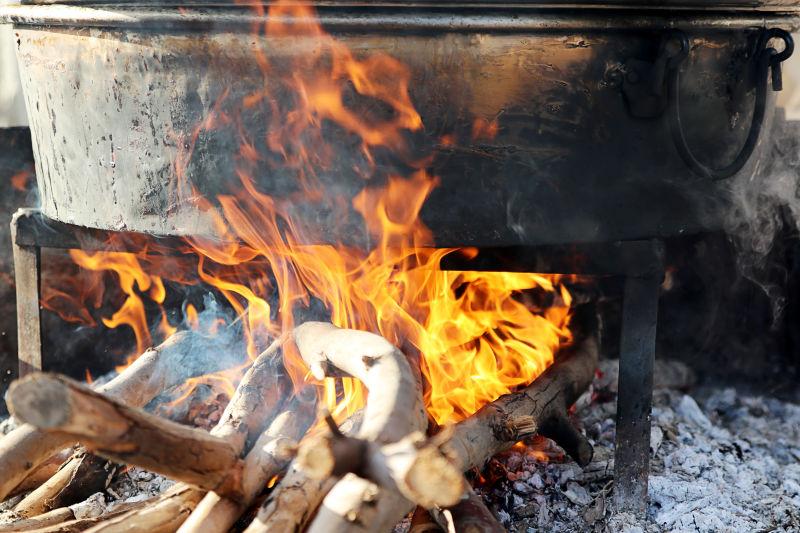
637	352
27	262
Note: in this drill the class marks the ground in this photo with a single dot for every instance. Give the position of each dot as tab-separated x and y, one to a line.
721	462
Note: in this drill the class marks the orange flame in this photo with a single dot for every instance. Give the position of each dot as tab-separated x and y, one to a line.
474	333
20	180
483	129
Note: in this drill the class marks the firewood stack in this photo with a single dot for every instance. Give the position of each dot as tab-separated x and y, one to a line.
363	475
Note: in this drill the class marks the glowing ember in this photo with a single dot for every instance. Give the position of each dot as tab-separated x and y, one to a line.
476	334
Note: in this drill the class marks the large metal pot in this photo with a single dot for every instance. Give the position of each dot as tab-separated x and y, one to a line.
585	151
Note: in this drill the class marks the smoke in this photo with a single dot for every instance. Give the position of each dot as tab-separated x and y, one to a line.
766	207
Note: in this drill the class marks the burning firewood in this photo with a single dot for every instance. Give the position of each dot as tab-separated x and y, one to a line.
429	472
182	356
295	499
539	408
83	474
390	466
267	459
394	411
256	400
292	503
125	434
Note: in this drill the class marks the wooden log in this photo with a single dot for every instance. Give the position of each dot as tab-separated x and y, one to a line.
162	514
395	407
394	410
82	475
125	434
54	517
470	515
539	408
182	356
43	472
430	473
256	400
268	458
387	465
423	522
292	503
64	517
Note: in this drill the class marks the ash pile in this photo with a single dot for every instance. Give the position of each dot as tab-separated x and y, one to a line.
721	460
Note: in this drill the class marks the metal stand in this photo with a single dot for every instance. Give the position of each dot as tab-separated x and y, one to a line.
27	274
637	353
640	262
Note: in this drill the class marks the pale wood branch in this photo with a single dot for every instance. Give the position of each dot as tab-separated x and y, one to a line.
182	356
268	458
394	410
125	434
257	399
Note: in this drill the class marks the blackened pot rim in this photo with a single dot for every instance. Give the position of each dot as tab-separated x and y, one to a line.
408	18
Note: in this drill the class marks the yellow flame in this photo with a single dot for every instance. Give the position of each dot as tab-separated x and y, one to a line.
474	333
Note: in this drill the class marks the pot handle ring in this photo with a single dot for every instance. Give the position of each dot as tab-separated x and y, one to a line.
767	59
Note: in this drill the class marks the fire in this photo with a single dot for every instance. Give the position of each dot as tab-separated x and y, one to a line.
131	277
20	180
476	334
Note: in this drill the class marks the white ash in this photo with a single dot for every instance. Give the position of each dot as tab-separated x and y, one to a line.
7	425
7	513
134	485
92	507
730	463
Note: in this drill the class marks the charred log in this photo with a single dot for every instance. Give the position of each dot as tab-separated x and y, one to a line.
81	476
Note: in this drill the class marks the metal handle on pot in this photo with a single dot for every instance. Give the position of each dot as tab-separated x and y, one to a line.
767	59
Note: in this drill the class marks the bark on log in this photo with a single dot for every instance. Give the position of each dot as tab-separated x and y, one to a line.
82	475
268	458
394	410
294	500
386	465
182	356
43	472
125	434
257	398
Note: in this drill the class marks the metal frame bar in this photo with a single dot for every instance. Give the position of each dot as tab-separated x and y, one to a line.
640	262
27	274
634	399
